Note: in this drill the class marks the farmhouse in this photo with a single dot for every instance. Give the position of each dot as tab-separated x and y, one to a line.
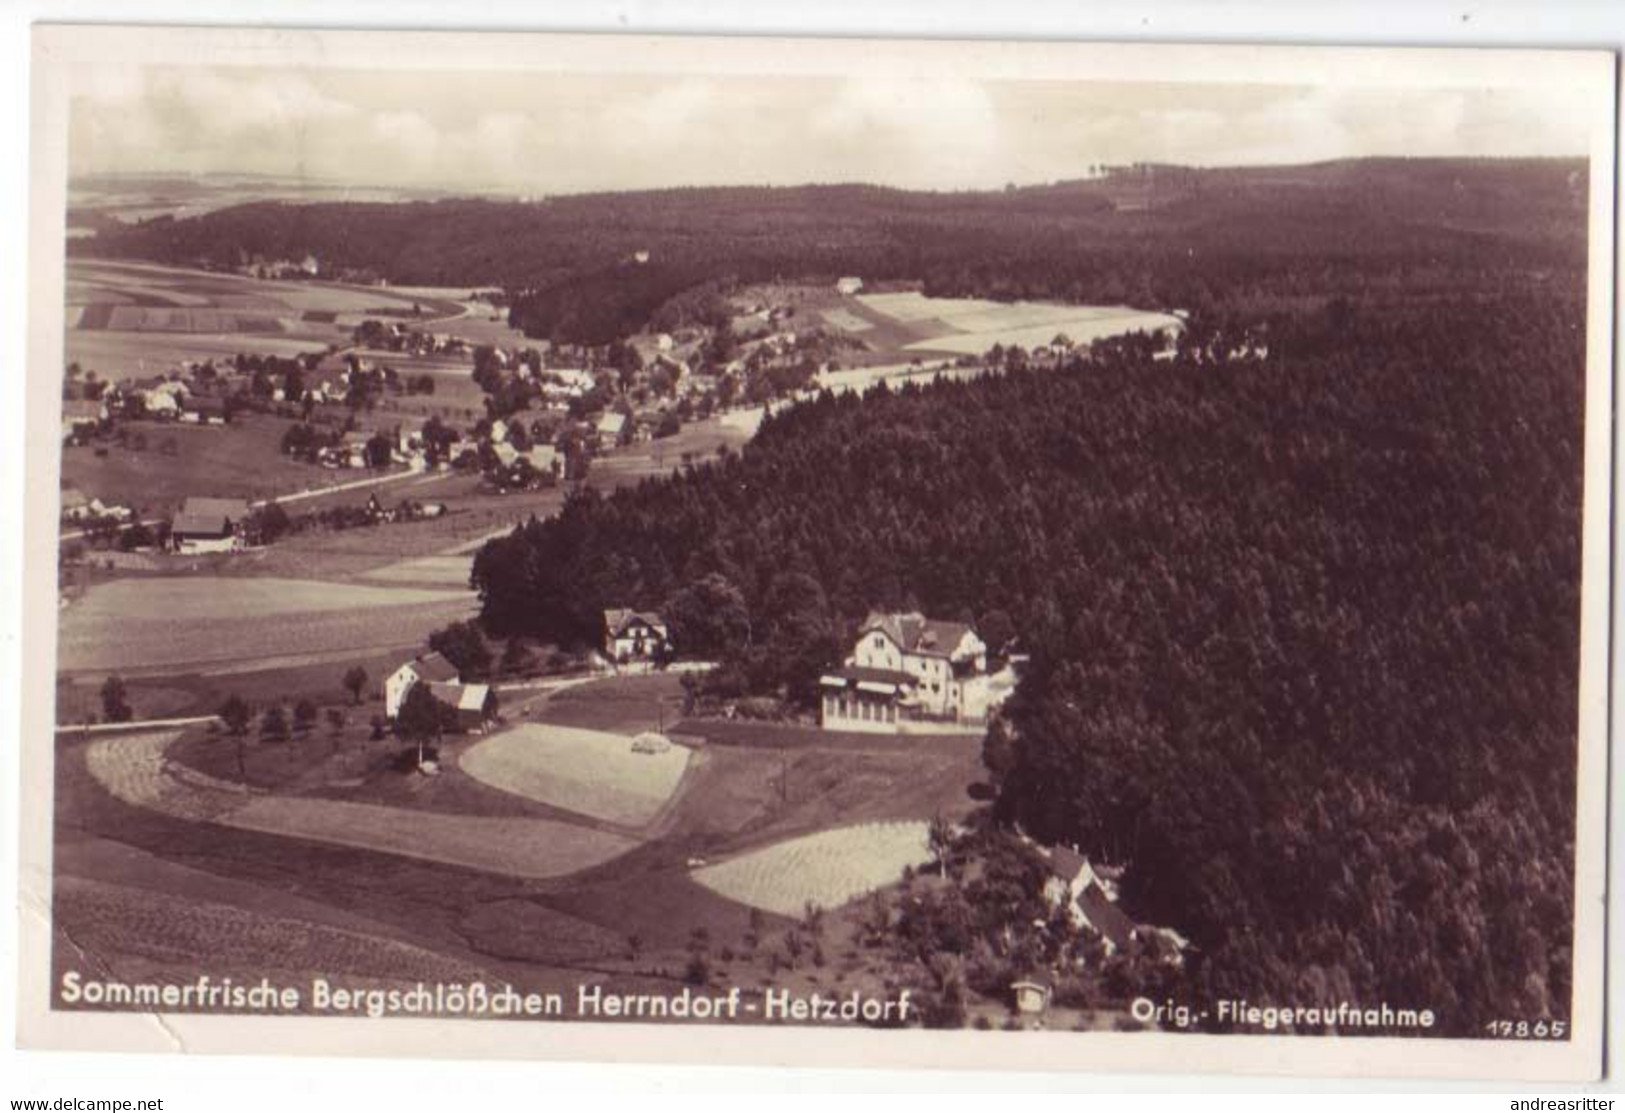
431	668
906	667
208	525
633	635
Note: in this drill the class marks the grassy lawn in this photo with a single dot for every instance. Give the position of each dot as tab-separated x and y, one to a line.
241	460
621	705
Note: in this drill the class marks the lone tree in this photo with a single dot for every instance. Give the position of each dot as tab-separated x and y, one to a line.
421	718
355	681
941	839
115	701
235	714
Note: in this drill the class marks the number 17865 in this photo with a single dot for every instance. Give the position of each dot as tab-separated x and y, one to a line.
1527	1029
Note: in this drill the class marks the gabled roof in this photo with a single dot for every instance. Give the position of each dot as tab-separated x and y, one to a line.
612	422
433	667
618	619
915	633
464	697
1104	916
1066	863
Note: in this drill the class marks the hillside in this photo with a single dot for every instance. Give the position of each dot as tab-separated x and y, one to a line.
1155	236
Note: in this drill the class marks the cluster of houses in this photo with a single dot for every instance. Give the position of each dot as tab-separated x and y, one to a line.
906	669
308	267
78	508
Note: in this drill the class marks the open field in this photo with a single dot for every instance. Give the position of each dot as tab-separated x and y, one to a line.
138	931
136	769
450	571
137	318
534	848
971	326
95	637
241	460
622	705
825	870
590	772
202	598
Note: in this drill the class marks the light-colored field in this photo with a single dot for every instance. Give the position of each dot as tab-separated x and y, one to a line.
974	325
449	570
534	848
245	599
827	869
134	768
100	637
116	355
585	771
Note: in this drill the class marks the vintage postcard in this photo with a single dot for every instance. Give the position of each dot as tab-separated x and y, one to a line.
909	553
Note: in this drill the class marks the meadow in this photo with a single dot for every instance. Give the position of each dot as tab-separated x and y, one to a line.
970	326
825	870
593	773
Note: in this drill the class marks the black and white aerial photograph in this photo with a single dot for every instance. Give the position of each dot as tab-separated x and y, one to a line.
1052	543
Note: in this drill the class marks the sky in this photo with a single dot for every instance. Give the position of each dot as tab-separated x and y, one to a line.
537	134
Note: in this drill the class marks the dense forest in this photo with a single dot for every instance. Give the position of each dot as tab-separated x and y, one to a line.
1303	629
1149	236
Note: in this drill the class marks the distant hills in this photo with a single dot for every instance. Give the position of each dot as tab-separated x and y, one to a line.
1155	236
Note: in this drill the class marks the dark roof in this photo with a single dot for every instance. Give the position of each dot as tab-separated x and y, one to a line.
1105	917
434	668
857	673
1065	862
917	634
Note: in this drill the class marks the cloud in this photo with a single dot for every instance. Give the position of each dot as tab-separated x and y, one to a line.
560	132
